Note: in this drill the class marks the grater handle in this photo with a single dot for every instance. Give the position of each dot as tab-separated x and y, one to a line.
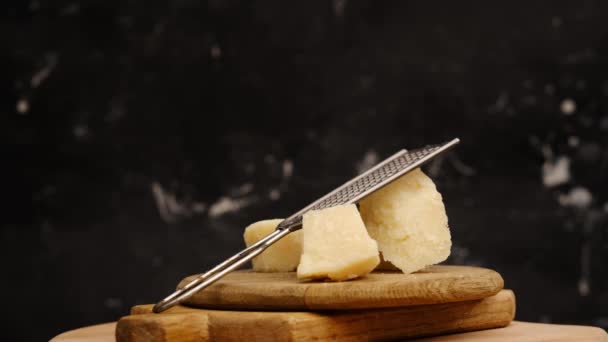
219	271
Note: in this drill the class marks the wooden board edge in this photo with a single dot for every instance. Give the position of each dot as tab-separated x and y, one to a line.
191	324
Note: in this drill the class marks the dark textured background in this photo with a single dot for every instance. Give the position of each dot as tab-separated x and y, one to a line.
133	130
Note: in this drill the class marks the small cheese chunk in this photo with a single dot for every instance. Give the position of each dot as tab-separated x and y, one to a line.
282	256
408	220
336	245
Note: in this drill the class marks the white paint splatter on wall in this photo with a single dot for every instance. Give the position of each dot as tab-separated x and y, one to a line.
370	158
22	107
226	205
556	172
287	169
170	209
243	189
568	106
39	77
584	289
274	194
461	167
573	141
578	197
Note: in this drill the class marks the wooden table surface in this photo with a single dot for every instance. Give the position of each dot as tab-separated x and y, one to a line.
517	331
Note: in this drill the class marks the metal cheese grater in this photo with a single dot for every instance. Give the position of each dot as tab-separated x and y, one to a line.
350	192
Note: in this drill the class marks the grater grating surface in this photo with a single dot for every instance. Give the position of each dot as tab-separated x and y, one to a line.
375	178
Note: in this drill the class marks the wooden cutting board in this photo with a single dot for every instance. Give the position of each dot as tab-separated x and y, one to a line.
189	324
248	290
516	331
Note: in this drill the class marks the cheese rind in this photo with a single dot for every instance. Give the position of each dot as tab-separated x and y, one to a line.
408	220
282	256
336	245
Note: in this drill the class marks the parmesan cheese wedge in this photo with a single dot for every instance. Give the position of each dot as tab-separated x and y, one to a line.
282	256
336	245
408	220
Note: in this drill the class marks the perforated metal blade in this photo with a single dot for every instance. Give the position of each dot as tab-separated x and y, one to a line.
373	179
350	192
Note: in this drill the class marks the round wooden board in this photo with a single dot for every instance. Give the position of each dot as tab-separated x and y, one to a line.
248	290
516	331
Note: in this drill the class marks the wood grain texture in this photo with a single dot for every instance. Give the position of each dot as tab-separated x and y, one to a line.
357	325
93	333
528	332
184	326
516	331
282	291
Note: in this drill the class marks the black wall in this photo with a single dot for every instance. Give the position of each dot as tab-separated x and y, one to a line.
128	126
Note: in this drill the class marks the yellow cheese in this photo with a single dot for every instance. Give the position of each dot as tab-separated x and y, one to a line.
336	245
408	220
282	256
